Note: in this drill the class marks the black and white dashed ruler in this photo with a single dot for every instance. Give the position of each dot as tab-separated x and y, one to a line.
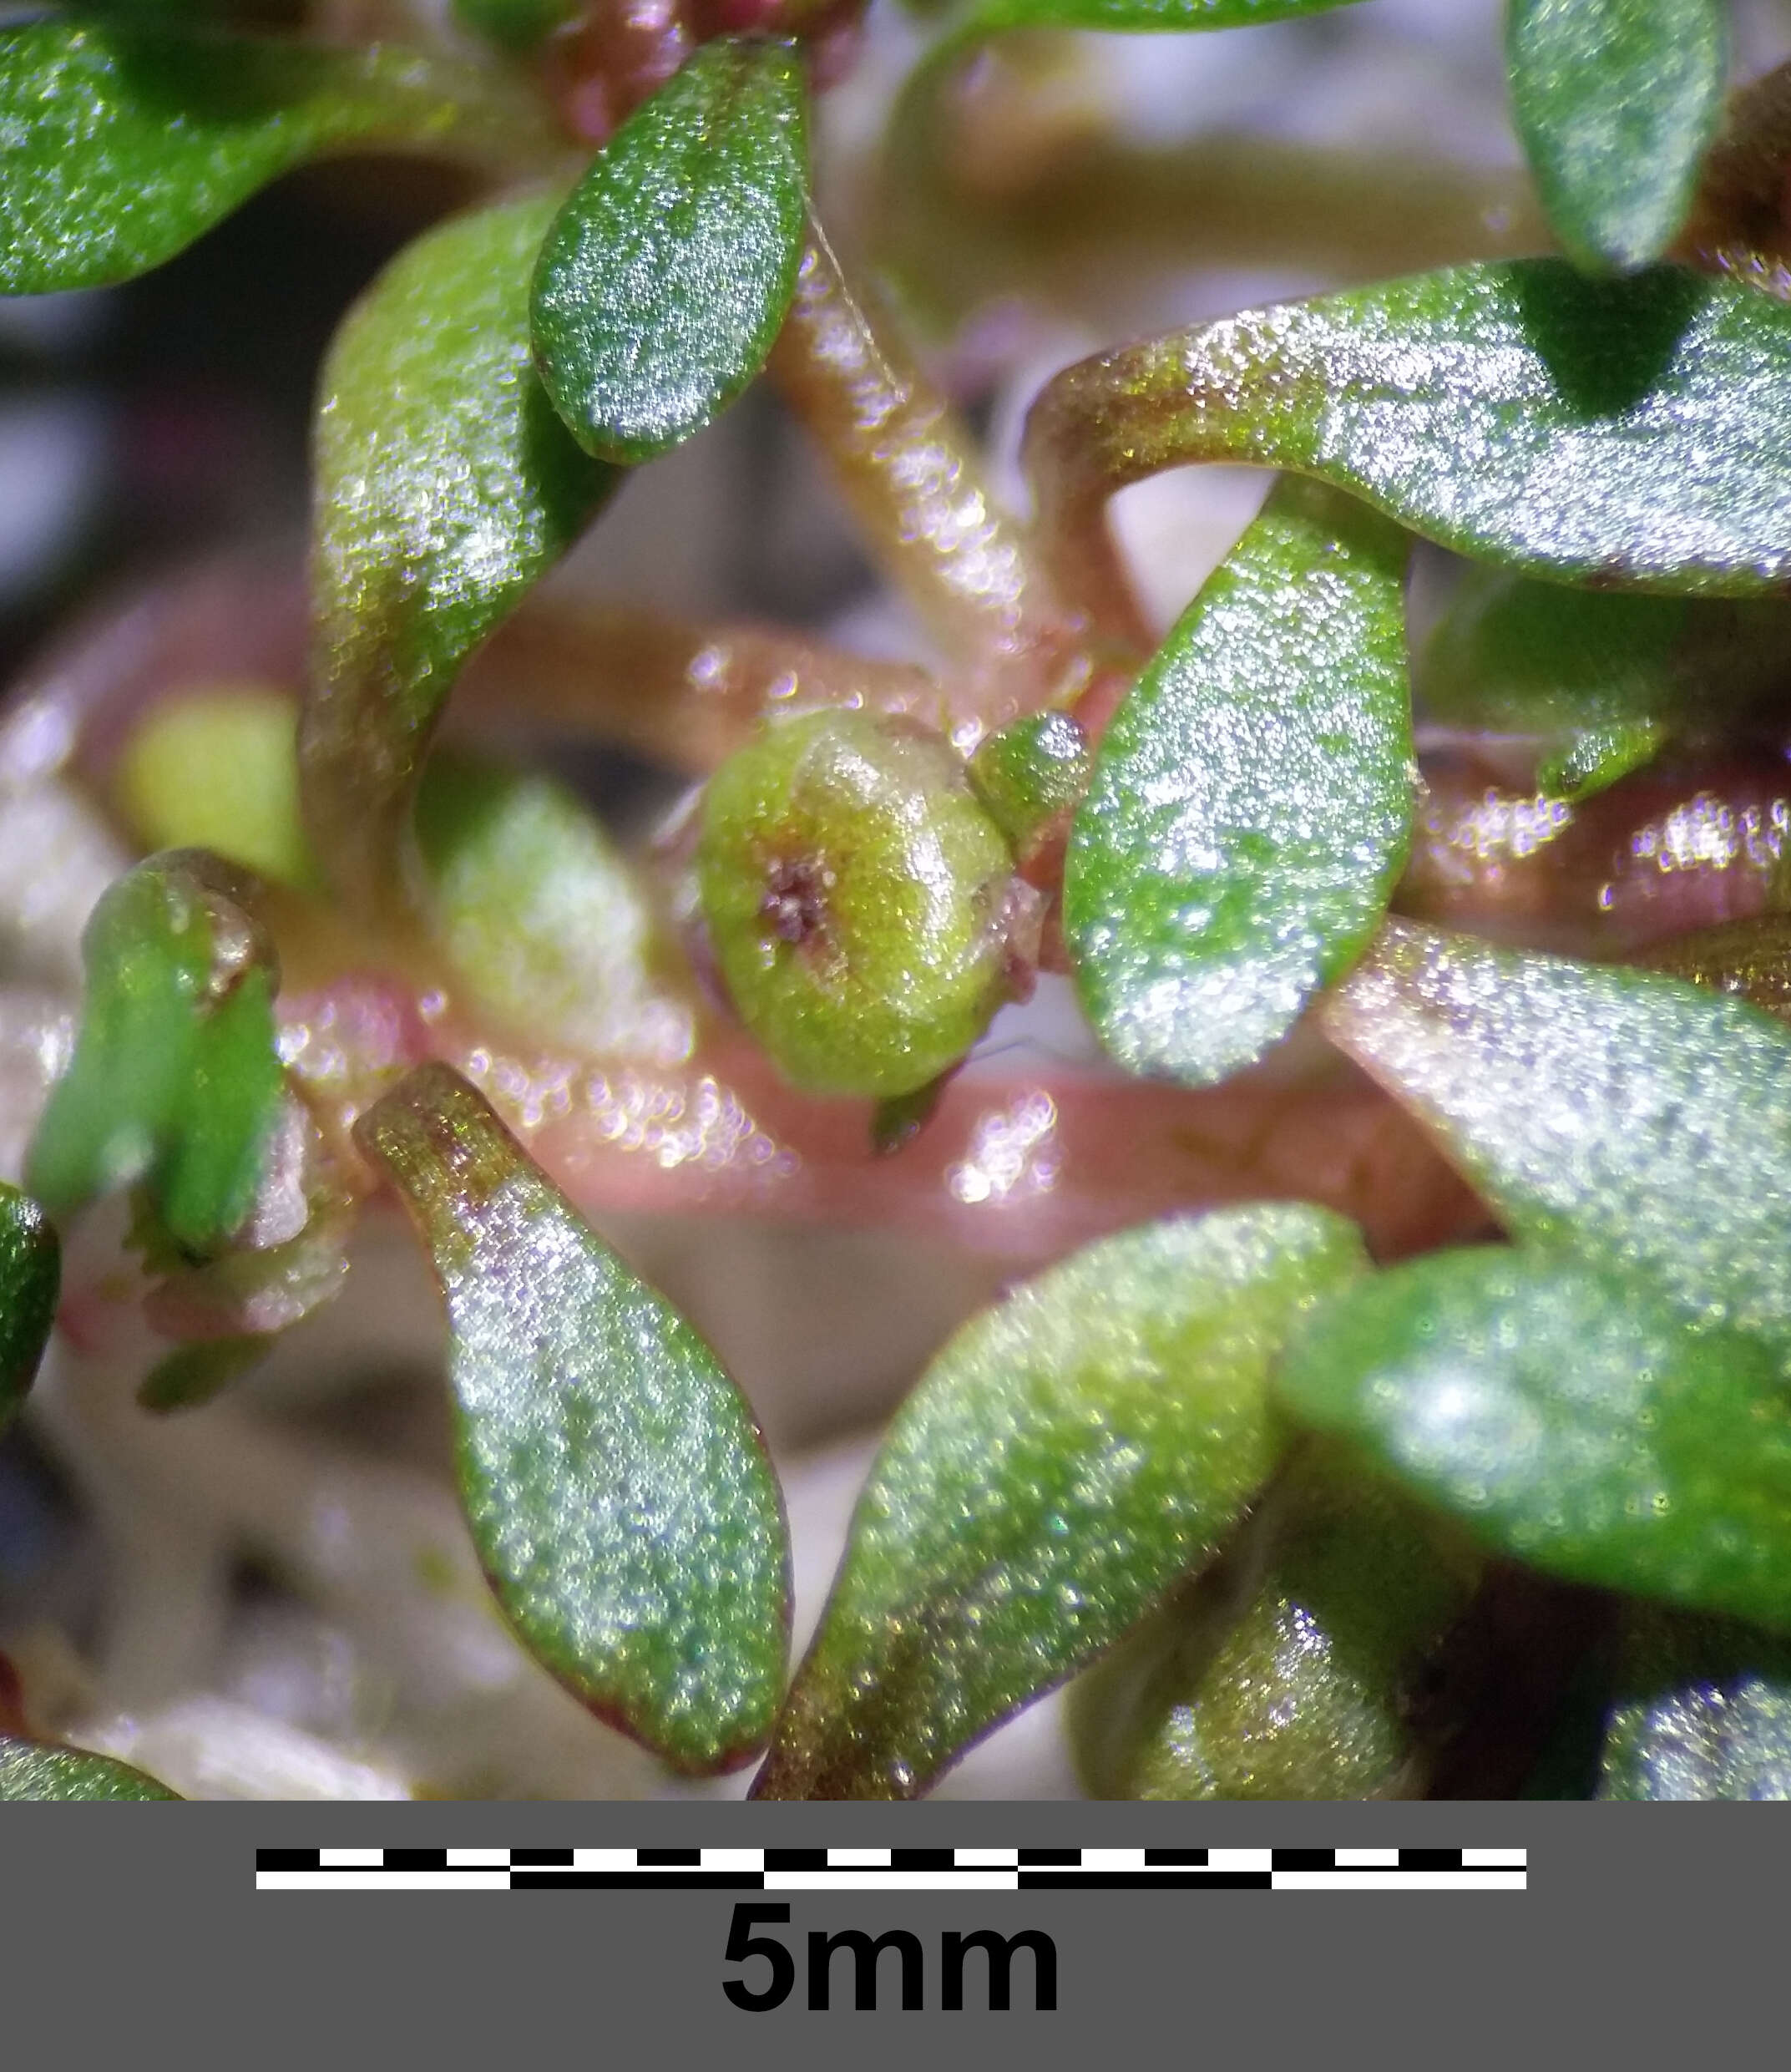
891	1870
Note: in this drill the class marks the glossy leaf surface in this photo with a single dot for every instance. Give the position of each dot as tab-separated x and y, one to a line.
119	145
1252	801
1148	15
1030	775
1304	1690
618	1490
446	485
1600	677
1702	1711
30	1279
1628	432
1068	1456
1615	102
175	1078
666	275
1567	1419
30	1770
1640	1121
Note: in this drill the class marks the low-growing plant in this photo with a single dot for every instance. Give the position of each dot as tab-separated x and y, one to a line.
1296	1502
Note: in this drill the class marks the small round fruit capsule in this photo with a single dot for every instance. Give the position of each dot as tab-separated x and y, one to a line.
858	898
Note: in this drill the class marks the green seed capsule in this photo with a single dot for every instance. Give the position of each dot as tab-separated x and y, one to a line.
858	898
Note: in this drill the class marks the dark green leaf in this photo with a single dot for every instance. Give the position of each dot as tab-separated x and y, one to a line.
1601	678
120	144
191	1375
1703	1711
516	26
1251	800
1567	1418
30	1770
1629	432
176	1077
446	485
1147	15
617	1487
1616	101
30	1278
1593	758
1068	1455
1303	1690
665	276
1029	776
1642	1122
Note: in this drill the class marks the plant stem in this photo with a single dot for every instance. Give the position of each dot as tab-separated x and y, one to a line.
909	474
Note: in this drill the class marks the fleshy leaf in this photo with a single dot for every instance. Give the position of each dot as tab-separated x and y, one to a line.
1601	678
1749	958
30	1770
666	275
1703	1711
30	1278
217	768
446	485
120	143
1029	776
516	25
540	915
1069	1455
1616	101
1642	1122
1305	1690
193	1374
617	1487
1594	759
1567	1418
176	1077
1252	801
1145	15
1626	432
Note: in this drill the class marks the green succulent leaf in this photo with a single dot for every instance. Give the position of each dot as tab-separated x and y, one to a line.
516	26
1251	807
1641	1122
533	906
193	1374
1148	15
666	276
1567	1418
1623	433
30	1769
1749	958
1304	1690
446	485
121	143
1617	102
1070	1454
30	1279
1030	776
1702	1711
1602	678
618	1490
175	1078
